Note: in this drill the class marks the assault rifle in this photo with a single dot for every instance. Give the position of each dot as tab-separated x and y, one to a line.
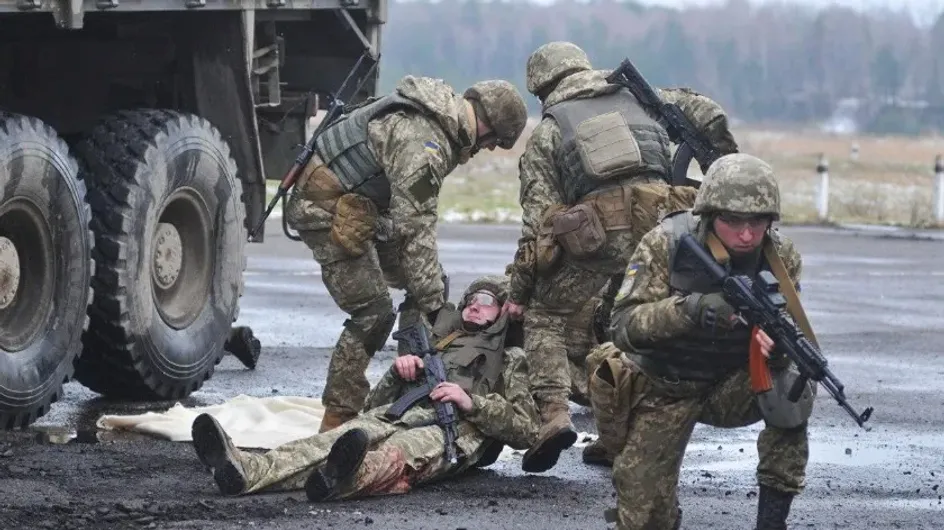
417	342
761	304
691	142
335	109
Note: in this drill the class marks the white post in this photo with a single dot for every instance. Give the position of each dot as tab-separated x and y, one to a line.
939	177
823	203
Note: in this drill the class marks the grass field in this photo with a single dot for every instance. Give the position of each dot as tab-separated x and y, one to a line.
889	182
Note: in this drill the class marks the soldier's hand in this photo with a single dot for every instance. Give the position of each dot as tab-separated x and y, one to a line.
711	311
516	311
408	366
447	392
766	343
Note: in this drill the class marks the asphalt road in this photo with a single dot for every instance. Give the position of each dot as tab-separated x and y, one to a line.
875	299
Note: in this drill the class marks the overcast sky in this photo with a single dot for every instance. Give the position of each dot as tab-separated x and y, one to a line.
922	8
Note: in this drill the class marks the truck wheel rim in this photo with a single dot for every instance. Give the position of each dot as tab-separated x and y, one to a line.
181	258
27	273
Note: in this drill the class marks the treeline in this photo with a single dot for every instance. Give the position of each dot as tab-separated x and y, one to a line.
768	63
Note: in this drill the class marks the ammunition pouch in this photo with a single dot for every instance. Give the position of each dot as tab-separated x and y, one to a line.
653	200
319	185
354	223
579	231
614	392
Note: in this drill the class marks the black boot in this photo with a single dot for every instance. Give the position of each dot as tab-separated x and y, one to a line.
772	509
340	466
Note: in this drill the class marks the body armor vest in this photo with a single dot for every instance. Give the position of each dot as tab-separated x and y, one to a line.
700	354
474	361
344	148
606	140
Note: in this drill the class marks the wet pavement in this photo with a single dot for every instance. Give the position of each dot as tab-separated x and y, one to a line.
876	300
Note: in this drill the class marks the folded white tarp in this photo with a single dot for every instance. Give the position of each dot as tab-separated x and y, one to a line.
251	422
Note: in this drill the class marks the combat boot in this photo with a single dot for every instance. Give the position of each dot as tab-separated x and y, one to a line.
340	467
216	451
333	418
555	435
772	509
595	454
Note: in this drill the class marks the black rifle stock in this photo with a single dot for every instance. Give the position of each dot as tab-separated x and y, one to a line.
335	108
760	303
691	142
417	341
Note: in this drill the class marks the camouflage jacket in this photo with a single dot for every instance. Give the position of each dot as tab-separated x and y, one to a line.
508	416
537	171
417	151
647	310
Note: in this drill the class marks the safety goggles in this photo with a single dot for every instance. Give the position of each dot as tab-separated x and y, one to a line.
483	298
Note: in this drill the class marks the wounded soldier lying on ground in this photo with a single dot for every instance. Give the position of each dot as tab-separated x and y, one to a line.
373	455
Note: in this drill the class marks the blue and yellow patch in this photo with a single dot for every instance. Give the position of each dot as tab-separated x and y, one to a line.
628	280
431	147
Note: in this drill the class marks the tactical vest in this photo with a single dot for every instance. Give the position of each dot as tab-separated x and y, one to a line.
474	361
699	354
344	147
606	140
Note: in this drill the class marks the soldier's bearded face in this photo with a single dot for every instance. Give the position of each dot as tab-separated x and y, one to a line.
741	233
482	308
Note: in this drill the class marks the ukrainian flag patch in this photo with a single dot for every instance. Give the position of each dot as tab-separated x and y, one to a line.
431	147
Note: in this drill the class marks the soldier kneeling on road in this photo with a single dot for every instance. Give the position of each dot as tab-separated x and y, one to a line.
487	382
680	352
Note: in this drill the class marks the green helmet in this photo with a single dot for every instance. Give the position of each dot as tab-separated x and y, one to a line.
739	183
504	109
497	285
554	61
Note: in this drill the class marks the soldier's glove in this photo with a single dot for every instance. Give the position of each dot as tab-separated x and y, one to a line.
601	322
710	311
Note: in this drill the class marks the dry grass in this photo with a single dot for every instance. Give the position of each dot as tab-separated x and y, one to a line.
891	181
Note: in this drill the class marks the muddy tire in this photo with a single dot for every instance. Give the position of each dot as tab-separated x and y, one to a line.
168	218
45	268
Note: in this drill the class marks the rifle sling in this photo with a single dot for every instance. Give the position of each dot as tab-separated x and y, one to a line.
406	401
780	272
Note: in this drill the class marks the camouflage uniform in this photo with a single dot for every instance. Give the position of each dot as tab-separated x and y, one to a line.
560	74
367	207
408	451
674	372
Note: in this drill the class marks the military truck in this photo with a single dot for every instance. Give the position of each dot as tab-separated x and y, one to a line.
136	138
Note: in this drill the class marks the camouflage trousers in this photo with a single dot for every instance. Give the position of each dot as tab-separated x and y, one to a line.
646	471
558	332
399	458
360	287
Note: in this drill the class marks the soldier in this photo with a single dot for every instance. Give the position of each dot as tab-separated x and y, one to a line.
374	455
591	185
366	205
685	352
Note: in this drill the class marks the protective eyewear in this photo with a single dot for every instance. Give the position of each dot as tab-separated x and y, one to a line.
482	298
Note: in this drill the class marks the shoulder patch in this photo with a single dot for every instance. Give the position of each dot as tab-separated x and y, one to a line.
431	147
628	280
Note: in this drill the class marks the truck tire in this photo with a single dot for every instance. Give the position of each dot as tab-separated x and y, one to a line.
44	222
168	217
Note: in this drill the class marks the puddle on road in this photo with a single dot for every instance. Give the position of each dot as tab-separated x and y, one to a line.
820	453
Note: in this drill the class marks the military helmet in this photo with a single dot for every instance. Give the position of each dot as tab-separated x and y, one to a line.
495	284
739	183
504	109
554	61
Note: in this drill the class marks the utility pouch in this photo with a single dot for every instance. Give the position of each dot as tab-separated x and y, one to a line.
579	231
354	223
